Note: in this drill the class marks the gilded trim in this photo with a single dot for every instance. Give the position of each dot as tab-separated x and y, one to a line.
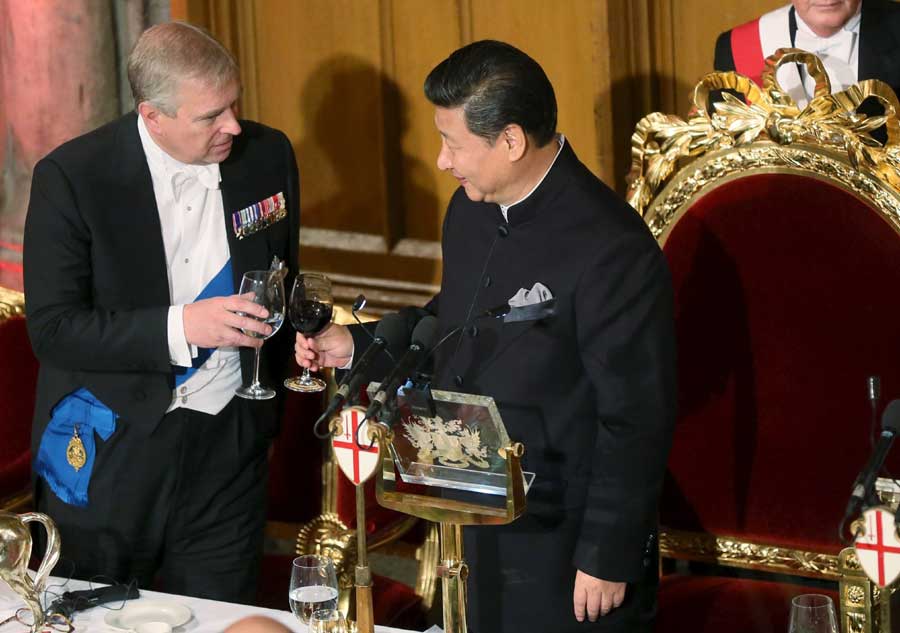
733	552
12	303
720	167
756	129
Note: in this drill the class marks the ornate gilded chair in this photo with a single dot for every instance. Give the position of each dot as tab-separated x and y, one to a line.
18	378
782	231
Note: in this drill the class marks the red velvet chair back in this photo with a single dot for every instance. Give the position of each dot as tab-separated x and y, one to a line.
18	378
787	296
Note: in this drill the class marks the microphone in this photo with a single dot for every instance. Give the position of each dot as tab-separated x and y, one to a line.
422	337
391	329
890	425
873	384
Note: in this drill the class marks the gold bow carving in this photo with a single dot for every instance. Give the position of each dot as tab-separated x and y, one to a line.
662	143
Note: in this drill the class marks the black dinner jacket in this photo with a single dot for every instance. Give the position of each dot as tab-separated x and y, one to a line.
879	43
96	281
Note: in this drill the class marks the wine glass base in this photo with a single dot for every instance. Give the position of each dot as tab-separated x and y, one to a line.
255	392
313	385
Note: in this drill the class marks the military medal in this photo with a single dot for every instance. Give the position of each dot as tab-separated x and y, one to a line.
75	453
259	215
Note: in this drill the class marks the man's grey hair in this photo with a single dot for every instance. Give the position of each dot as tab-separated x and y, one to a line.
167	54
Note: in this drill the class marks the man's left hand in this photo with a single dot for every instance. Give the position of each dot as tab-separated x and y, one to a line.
596	596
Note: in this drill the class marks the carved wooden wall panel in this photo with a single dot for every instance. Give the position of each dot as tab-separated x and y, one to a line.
343	78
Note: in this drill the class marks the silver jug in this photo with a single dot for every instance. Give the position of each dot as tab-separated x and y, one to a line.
15	552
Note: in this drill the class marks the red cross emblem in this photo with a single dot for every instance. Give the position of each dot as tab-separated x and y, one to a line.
357	464
878	549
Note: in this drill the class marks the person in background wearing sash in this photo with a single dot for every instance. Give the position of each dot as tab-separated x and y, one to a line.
136	239
855	39
589	389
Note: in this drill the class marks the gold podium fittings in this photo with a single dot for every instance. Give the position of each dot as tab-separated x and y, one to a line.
357	449
471	472
15	552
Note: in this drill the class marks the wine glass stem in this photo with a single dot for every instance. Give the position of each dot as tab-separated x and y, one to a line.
306	377
256	367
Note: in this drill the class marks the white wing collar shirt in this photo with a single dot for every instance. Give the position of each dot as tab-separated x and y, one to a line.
192	217
839	54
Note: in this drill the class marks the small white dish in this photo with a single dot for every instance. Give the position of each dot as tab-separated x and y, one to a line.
153	627
142	611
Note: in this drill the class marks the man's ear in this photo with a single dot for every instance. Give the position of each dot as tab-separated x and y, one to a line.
151	116
515	140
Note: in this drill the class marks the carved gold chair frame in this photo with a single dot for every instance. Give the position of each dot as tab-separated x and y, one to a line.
675	162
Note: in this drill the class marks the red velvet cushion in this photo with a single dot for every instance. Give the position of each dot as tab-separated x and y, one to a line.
787	298
18	377
702	604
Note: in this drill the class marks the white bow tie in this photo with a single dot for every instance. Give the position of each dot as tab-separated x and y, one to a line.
183	176
838	46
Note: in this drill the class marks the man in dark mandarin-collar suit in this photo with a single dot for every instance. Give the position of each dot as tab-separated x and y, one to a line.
158	473
589	390
878	41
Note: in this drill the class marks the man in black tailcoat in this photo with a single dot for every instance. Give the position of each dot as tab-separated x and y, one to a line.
137	237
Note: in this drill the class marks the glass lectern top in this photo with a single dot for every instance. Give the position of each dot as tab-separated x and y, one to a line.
456	445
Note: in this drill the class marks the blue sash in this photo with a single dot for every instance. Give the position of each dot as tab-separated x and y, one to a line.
90	415
222	285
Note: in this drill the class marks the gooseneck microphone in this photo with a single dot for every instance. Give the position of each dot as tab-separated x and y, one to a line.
390	331
421	340
890	425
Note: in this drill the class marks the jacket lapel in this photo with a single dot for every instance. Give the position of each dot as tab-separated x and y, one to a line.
238	193
137	215
878	46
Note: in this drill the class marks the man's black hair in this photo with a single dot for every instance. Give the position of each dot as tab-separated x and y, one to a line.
496	84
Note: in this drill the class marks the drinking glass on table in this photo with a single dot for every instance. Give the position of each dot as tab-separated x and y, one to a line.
313	586
310	311
327	621
812	613
266	288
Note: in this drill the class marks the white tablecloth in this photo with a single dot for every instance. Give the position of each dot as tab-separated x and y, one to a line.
209	616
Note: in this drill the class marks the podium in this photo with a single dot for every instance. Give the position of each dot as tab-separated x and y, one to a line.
450	460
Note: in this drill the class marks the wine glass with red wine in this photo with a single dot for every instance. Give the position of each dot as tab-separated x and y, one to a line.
310	312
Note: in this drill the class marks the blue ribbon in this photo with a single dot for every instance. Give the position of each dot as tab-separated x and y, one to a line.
80	408
222	285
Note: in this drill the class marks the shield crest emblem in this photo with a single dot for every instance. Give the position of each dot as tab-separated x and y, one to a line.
878	548
357	463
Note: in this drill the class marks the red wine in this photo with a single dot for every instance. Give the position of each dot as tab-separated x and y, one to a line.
309	317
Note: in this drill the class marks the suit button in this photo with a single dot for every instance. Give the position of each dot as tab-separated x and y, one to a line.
473	331
487	281
458	380
140	395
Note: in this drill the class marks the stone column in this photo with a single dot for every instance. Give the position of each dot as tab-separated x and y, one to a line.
57	80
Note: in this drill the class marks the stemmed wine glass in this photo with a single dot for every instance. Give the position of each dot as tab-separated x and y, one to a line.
310	312
812	613
313	586
267	289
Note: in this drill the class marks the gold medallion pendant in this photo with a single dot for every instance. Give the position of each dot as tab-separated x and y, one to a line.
75	453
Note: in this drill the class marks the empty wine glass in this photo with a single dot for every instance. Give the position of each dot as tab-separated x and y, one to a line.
267	289
313	586
812	613
327	621
310	312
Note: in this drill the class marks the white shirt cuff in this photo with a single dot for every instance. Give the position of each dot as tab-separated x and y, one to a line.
352	353
180	352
